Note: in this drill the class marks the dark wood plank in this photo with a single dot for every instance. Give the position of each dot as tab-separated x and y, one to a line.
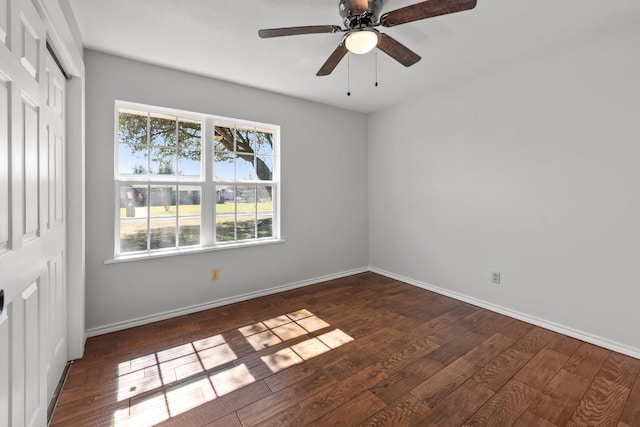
541	368
631	414
340	393
292	416
221	407
230	420
506	406
458	406
620	369
444	382
564	344
352	412
567	387
530	419
602	405
275	403
497	372
552	410
400	414
456	347
587	360
402	382
489	349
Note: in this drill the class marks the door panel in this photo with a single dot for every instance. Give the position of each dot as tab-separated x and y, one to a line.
4	163
30	148
56	339
5	391
4	14
32	357
31	40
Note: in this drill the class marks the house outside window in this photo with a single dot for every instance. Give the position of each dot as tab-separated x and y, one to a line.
187	181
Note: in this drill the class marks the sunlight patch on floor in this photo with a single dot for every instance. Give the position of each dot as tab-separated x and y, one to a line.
167	383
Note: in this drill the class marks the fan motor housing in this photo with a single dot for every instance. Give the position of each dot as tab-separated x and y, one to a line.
353	19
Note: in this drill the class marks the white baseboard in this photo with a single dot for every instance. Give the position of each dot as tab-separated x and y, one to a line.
565	330
218	303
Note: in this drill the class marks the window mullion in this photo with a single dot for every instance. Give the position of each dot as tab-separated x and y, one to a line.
208	189
148	209
177	187
176	169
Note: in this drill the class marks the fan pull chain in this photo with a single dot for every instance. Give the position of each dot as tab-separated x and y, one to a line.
348	75
376	54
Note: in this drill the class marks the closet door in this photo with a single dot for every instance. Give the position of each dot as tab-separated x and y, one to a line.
32	225
52	168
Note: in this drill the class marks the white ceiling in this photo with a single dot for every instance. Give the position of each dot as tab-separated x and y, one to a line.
218	38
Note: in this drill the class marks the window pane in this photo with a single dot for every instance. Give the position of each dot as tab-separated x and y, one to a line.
224	136
189	154
223	166
133	218
163	161
264	168
162	233
264	142
162	201
245	170
132	126
189	163
246	198
245	140
246	217
225	213
132	159
163	213
246	226
163	130
265	211
189	215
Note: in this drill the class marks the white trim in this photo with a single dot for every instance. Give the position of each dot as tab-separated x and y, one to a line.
192	250
63	34
562	329
218	303
60	33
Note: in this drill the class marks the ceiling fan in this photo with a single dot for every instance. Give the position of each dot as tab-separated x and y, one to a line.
360	17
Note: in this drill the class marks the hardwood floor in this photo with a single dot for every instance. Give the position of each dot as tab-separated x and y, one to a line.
362	350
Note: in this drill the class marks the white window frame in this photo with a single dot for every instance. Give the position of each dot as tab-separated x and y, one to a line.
206	182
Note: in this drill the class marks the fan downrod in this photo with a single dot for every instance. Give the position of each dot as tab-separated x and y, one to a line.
354	15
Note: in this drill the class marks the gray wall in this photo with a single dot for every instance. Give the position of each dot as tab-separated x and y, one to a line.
531	168
324	196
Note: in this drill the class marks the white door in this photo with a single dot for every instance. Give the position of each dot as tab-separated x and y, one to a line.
54	223
32	229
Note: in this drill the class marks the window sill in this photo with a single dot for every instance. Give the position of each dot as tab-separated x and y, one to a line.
187	251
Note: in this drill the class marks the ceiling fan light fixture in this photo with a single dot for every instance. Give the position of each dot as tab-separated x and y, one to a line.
361	41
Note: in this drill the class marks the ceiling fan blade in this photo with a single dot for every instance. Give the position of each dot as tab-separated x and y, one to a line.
424	10
294	31
331	63
357	6
397	50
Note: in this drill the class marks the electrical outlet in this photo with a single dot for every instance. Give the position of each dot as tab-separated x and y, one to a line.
495	277
215	274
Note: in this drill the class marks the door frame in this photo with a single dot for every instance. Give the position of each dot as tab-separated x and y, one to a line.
64	37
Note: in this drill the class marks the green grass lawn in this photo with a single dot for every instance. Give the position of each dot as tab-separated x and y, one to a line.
229	207
165	237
